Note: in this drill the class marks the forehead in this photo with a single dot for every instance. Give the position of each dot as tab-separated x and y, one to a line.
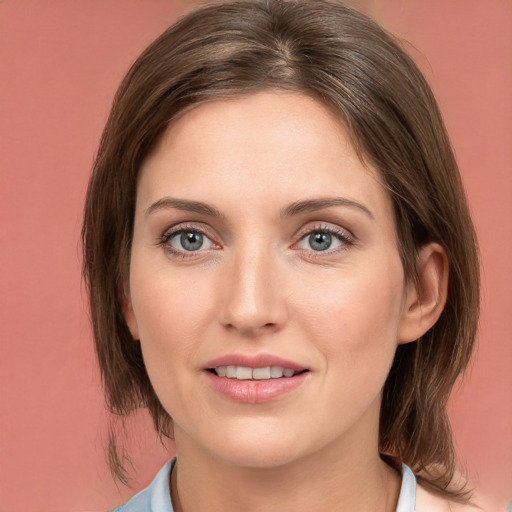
281	146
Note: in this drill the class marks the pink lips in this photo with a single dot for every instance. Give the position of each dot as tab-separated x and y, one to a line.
256	361
254	391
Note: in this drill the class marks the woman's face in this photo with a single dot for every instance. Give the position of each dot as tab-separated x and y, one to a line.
264	248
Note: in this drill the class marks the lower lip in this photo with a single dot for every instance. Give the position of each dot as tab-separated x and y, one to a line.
254	391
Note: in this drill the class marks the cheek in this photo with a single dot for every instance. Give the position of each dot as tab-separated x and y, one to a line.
354	316
170	314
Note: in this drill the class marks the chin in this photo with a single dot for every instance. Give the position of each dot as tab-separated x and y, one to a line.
258	450
260	459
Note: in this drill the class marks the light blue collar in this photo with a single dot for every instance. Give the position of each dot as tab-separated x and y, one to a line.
157	497
407	498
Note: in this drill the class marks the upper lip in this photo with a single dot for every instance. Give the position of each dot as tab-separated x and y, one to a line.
253	361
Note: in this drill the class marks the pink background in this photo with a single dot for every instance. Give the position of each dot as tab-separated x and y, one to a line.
60	62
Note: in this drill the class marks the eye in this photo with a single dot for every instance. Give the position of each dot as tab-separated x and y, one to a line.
324	239
187	240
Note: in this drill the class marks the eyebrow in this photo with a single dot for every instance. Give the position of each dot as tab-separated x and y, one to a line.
185	205
312	205
295	208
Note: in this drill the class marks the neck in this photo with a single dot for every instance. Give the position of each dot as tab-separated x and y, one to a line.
334	479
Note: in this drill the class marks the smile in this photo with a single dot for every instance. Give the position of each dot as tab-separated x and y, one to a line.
247	373
254	379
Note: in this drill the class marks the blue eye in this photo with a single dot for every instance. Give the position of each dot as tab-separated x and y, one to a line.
188	241
323	240
320	241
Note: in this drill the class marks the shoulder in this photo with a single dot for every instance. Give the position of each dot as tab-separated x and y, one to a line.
427	501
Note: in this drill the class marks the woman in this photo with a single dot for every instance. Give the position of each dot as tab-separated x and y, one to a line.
281	264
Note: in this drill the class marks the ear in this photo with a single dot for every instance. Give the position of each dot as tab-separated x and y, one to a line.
425	300
129	315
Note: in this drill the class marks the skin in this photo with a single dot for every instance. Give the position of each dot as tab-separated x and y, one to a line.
257	285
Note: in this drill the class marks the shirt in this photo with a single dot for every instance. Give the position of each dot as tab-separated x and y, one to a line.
157	496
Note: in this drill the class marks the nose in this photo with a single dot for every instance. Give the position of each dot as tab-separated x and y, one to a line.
253	293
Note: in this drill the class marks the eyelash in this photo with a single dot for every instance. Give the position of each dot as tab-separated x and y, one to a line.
346	240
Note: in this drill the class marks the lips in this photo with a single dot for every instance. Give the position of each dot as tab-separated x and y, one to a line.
254	379
254	361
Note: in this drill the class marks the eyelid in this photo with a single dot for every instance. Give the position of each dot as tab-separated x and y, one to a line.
198	227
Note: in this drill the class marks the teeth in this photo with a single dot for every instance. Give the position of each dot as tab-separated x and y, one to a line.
276	372
246	373
243	373
261	373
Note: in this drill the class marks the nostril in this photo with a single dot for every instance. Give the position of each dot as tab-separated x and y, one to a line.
248	328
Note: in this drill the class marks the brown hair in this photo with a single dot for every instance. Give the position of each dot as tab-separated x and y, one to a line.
347	61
